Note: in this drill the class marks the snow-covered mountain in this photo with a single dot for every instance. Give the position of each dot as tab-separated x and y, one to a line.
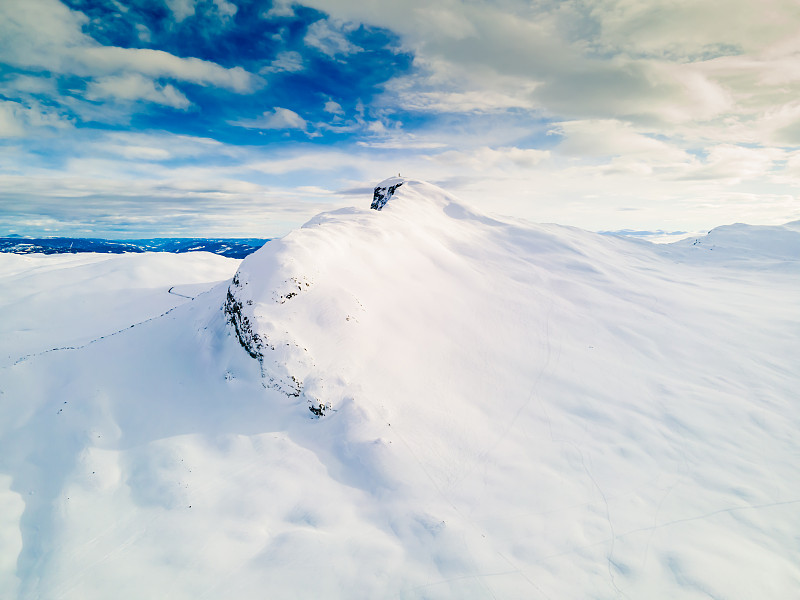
420	401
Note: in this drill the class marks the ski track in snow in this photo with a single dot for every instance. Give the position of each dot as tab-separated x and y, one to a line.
102	337
169	291
95	340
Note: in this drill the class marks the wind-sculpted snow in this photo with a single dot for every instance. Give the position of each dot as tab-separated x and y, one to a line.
421	402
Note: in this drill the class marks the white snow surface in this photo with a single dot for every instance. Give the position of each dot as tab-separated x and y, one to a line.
68	300
511	411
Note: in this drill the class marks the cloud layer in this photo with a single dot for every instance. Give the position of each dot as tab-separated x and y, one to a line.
606	114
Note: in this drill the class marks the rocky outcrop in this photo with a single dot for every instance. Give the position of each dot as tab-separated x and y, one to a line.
249	339
384	191
256	344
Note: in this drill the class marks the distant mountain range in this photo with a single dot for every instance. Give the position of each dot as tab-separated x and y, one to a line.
230	248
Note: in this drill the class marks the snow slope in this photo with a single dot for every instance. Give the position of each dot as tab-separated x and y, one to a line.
501	410
69	299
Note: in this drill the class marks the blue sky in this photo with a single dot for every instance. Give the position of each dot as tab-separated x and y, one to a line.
231	118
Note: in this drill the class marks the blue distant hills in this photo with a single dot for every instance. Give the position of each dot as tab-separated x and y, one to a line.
231	248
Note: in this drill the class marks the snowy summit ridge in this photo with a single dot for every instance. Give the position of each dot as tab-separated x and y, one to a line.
314	266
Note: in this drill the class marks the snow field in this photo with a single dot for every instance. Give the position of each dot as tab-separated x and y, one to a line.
511	410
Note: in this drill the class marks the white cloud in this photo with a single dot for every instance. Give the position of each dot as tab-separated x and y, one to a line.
259	191
329	38
143	33
144	153
27	85
686	29
333	107
161	146
17	119
439	86
483	160
610	137
196	204
288	61
280	8
463	101
732	164
181	9
44	34
446	23
407	142
156	63
10	123
33	31
793	165
225	9
135	87
278	118
677	62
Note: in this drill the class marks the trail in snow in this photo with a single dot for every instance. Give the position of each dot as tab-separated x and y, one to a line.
169	291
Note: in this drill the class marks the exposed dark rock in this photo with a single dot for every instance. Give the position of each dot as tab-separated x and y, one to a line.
294	284
318	409
249	339
382	194
256	345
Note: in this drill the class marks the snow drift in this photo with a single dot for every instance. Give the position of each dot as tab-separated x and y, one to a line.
425	402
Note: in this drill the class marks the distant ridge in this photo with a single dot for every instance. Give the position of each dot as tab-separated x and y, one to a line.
227	247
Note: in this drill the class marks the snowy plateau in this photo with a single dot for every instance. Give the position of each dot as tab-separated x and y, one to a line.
421	401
